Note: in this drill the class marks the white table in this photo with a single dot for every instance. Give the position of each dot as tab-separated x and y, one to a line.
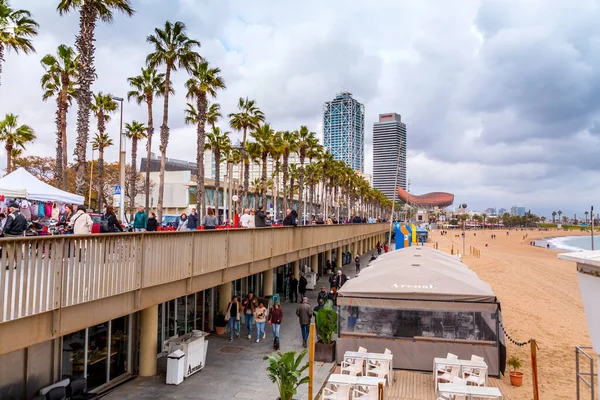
366	357
470	391
343	379
463	364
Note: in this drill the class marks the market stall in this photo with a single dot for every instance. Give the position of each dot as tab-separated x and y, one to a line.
420	303
34	189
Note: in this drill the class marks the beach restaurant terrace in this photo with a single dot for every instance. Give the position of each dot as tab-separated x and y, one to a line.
421	303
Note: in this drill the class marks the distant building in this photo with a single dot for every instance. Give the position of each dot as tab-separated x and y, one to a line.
366	177
518	211
389	139
490	211
502	211
344	130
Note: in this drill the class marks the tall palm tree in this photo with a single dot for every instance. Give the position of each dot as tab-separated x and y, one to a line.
59	81
100	142
135	131
16	30
305	140
263	137
89	13
587	213
213	114
249	116
326	162
145	87
553	217
220	144
14	136
293	173
559	214
204	81
174	49
288	146
102	107
277	147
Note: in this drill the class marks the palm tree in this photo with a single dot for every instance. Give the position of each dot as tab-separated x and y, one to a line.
89	13
145	87
327	163
220	144
204	81
14	136
134	131
263	136
559	214
175	50
305	141
587	213
553	217
288	146
293	173
102	107
101	142
59	81
277	147
213	114
16	30
248	117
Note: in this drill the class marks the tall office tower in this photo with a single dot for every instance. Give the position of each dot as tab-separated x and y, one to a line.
344	130
389	138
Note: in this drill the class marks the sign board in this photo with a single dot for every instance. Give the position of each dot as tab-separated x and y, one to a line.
117	189
235	197
117	200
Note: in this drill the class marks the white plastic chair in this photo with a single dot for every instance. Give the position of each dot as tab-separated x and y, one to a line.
365	393
470	371
380	369
352	367
361	349
446	368
447	377
387	351
477	377
339	392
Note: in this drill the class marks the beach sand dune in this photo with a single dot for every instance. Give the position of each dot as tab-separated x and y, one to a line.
540	299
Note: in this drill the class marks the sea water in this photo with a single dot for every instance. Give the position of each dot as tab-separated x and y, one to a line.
574	243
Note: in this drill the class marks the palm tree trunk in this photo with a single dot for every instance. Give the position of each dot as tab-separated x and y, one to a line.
201	139
301	186
132	188
8	148
100	179
264	180
150	132
285	180
59	144
164	141
63	108
1	57
246	171
217	154
291	205
84	43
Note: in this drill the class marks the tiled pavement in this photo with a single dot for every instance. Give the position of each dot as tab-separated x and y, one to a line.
235	369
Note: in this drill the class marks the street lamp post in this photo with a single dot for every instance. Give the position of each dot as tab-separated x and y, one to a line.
121	161
464	234
592	213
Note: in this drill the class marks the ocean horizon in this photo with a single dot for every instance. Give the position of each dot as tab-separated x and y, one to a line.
573	243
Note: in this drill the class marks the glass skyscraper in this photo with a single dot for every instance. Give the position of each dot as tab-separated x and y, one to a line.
344	130
389	142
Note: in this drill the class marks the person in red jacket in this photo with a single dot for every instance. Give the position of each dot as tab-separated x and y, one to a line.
275	318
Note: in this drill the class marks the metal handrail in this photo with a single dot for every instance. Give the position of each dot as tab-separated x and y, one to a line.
581	376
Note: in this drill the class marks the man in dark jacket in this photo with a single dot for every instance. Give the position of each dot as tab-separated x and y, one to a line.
260	219
304	313
16	224
294	289
290	218
340	279
357	220
302	283
322	295
192	220
320	220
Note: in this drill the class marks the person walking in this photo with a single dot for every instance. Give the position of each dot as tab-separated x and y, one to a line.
140	220
379	248
260	219
112	223
210	221
192	220
183	222
152	223
304	313
249	304
81	223
294	289
320	305
357	262
252	220
65	218
290	218
322	295
16	223
232	316
245	219
302	283
340	279
275	318
332	280
332	295
260	316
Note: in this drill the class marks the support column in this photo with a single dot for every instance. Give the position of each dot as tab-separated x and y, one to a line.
148	340
268	282
361	249
297	268
314	263
328	256
338	263
224	296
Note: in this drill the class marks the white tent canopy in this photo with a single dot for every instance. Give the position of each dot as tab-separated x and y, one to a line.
34	189
13	193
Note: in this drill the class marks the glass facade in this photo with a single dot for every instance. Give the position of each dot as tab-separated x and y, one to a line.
99	353
414	323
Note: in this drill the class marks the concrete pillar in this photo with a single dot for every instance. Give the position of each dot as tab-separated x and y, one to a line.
297	268
338	263
268	282
314	263
360	248
224	296
328	256
148	340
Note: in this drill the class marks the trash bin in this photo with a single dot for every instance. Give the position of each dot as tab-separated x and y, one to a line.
175	367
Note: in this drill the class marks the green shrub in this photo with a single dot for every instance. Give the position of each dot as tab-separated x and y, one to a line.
326	320
514	362
286	372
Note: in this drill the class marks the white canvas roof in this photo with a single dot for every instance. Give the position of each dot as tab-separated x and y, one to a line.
417	273
23	181
12	193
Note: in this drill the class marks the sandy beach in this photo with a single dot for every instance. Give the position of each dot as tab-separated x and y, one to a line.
540	299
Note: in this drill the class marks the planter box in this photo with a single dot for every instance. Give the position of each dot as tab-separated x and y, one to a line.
220	330
325	352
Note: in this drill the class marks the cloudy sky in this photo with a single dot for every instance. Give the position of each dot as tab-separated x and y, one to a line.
500	98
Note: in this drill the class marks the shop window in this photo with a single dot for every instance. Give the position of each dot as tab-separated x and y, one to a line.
199	316
73	355
171	320
119	349
97	355
189	313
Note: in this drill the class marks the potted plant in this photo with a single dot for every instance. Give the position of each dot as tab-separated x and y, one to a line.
286	372
326	321
220	323
516	378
